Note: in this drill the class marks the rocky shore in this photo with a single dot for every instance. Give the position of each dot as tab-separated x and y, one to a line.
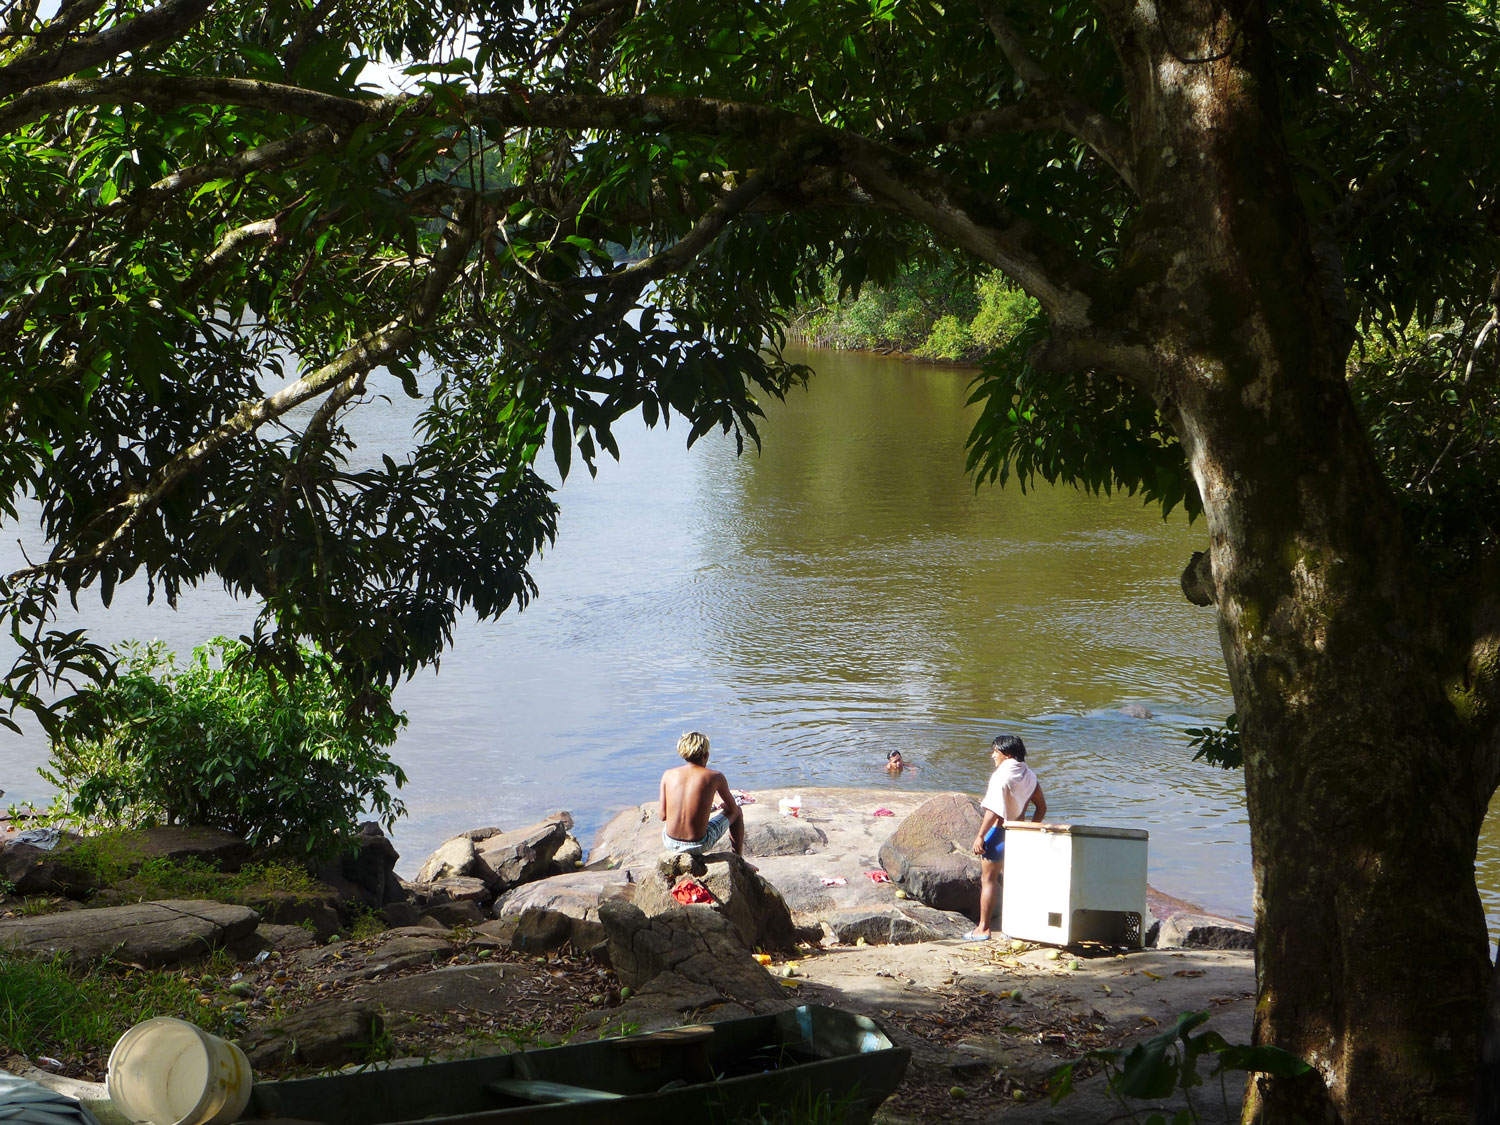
508	929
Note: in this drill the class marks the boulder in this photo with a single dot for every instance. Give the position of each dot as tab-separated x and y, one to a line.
460	913
575	897
540	930
670	1000
223	850
631	838
317	908
56	870
902	924
697	943
768	833
459	888
577	894
751	905
509	859
929	854
569	857
322	1035
453	858
153	934
365	874
396	914
1177	923
1200	931
502	860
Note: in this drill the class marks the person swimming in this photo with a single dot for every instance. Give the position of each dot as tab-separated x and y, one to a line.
895	763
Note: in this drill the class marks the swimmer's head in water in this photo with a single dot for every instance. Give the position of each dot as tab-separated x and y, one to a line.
894	757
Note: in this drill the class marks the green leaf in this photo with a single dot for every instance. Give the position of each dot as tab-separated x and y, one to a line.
562	441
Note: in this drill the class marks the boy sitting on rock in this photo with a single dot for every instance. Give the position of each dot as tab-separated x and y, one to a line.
687	799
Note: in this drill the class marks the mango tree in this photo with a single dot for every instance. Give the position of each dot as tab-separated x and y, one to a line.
222	235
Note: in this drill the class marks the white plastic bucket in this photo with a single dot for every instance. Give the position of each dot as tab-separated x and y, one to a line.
170	1072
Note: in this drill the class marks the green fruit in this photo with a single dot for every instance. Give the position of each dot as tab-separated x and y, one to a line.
1053	955
957	1093
900	893
625	992
1019	1094
242	988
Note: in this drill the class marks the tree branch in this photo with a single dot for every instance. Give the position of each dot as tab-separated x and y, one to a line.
1098	130
163	91
46	63
1100	133
276	154
354	362
681	253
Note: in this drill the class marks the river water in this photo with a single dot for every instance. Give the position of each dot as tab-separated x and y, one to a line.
845	592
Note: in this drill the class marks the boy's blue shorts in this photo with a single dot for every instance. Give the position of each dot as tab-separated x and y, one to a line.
994	844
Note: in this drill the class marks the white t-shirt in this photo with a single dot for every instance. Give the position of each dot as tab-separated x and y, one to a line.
1010	788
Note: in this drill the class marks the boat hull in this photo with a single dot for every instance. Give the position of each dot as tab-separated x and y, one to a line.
810	1062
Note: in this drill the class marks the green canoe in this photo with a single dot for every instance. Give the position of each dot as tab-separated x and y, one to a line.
809	1063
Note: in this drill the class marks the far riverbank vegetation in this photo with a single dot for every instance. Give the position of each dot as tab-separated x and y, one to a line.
933	311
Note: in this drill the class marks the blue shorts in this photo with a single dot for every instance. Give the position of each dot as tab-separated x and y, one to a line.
994	844
718	824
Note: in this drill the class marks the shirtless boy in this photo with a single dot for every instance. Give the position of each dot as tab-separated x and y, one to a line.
687	798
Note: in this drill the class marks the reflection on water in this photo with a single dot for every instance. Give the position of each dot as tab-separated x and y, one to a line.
844	593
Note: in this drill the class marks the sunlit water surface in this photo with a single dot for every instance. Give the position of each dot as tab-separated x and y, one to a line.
845	592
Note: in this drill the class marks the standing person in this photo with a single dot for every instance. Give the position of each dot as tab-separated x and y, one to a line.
1012	787
687	800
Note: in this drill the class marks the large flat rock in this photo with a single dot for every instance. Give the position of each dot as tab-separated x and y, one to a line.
153	934
822	860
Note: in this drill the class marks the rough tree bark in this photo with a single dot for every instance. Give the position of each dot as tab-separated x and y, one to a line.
1367	776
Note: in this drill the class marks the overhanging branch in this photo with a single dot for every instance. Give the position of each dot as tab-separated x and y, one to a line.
46	63
1053	100
682	252
114	525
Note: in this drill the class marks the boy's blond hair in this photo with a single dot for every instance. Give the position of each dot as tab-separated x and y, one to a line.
693	747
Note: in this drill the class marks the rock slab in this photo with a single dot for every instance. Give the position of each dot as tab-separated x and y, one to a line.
153	934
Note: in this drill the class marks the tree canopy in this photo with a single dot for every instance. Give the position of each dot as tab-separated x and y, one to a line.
220	236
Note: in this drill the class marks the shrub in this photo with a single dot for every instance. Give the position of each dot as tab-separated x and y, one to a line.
949	339
904	328
222	743
1003	312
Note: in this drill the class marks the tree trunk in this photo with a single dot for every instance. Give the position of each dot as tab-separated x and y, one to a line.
1364	774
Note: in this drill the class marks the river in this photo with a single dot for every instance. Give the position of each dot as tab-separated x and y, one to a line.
845	592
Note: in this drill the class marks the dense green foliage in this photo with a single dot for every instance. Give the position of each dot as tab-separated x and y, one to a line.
937	311
223	743
1431	399
189	227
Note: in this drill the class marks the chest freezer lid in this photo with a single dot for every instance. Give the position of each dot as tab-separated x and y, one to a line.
1094	830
